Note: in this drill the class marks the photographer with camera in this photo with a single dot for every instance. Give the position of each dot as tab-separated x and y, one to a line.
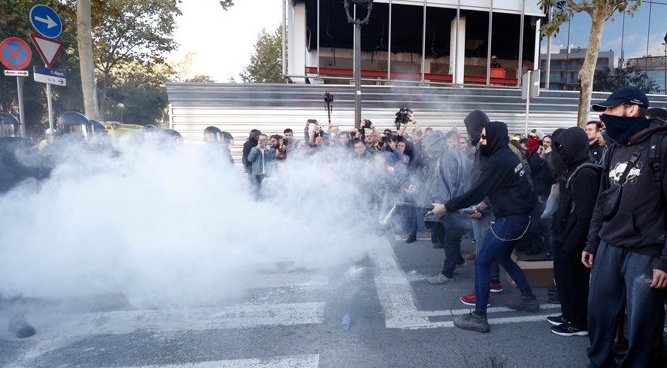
277	142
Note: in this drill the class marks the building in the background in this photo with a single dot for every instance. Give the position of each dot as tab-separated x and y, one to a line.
654	66
565	66
435	41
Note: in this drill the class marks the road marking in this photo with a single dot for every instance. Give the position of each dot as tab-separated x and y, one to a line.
298	361
398	304
289	279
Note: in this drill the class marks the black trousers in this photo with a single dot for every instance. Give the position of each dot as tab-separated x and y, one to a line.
449	234
621	276
572	278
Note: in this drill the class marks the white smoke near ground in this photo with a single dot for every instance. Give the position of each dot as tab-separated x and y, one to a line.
177	225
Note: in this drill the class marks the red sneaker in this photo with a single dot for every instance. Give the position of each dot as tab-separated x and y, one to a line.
471	298
495	287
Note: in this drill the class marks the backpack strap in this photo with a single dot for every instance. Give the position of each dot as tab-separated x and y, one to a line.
655	159
592	165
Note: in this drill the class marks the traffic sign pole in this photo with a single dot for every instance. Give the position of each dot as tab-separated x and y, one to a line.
50	105
19	88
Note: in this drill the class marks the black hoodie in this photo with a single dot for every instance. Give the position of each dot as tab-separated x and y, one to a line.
639	224
474	123
576	204
502	178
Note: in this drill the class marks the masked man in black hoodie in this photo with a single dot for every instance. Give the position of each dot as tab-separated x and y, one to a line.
578	177
626	242
503	181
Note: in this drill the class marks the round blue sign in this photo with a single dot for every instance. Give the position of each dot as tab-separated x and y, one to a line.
46	21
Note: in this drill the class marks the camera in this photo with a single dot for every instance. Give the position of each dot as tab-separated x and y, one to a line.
402	117
367	124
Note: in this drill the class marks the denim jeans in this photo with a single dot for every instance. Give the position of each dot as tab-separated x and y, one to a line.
414	222
500	250
479	229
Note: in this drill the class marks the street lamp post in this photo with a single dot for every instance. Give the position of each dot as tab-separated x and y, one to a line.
665	62
357	51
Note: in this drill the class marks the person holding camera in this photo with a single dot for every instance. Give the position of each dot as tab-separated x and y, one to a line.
259	158
626	240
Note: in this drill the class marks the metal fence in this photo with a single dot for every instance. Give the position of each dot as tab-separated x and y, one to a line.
271	108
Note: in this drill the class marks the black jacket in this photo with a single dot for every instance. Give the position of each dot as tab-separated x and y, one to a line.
639	224
502	178
247	146
581	178
597	151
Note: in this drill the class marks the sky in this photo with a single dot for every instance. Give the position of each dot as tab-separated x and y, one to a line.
635	36
221	42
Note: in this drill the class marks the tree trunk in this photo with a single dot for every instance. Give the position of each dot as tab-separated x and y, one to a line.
85	40
598	16
103	95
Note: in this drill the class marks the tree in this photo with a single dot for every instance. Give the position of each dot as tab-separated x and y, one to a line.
266	61
609	80
87	66
126	31
599	11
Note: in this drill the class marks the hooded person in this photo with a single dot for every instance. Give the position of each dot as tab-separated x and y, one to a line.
247	146
578	178
626	240
449	177
474	122
503	181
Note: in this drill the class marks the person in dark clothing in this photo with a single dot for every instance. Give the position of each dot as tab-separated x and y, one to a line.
247	146
504	182
580	178
595	143
626	243
481	218
538	159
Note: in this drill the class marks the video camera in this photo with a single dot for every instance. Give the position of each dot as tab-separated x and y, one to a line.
402	117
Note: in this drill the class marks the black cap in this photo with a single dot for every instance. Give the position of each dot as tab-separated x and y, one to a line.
625	95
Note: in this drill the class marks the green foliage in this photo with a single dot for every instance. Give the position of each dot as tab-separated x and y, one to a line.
563	10
608	80
266	61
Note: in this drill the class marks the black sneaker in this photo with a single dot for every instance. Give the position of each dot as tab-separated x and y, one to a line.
557	320
411	239
472	322
568	330
554	299
525	303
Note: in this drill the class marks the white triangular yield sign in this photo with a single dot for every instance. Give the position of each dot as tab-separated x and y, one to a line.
48	48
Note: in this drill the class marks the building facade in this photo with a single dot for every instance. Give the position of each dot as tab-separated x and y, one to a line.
654	66
427	42
565	66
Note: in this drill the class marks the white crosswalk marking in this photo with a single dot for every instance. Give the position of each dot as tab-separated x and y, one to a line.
298	361
397	300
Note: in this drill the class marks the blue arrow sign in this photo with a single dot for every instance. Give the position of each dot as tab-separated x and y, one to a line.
46	21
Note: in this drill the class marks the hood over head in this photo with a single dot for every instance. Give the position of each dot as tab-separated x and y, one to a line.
474	122
572	146
496	137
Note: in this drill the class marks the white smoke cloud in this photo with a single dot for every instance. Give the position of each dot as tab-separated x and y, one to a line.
176	226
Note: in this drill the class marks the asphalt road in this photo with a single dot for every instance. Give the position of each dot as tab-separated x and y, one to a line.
293	319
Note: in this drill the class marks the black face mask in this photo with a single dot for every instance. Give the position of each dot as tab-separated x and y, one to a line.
485	149
620	128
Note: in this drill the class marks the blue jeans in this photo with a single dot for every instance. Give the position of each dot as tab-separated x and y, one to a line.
494	249
414	222
479	228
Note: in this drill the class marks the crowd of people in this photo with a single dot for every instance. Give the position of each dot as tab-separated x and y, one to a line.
594	199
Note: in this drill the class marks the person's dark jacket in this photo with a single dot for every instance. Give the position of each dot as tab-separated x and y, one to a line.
639	224
19	161
502	178
541	174
580	179
247	146
474	123
597	151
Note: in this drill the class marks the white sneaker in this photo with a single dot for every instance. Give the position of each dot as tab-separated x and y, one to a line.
438	279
